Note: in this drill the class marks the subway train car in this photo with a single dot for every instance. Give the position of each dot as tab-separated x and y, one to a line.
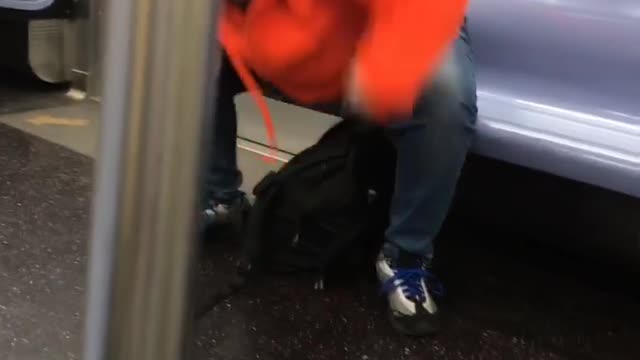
557	93
545	226
561	99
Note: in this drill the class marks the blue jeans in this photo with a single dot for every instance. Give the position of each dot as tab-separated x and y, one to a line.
431	146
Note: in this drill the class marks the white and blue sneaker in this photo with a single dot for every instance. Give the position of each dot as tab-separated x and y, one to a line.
410	287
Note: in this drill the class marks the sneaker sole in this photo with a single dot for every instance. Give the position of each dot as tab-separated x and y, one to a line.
414	330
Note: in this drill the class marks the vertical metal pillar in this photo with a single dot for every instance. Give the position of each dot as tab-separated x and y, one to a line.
161	58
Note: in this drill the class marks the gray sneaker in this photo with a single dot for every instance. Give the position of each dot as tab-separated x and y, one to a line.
232	213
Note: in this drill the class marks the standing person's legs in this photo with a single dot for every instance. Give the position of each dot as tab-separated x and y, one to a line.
431	148
224	202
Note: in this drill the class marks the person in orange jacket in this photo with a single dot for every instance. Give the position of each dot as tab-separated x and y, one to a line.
404	64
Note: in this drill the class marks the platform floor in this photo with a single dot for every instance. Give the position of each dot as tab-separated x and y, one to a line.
507	299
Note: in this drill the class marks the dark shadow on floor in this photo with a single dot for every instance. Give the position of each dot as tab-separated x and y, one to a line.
515	301
507	298
21	92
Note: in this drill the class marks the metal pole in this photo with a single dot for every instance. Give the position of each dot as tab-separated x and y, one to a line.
161	58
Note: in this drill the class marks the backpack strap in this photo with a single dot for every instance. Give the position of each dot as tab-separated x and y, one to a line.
255	225
266	183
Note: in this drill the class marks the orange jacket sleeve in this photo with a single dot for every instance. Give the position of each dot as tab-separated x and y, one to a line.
402	48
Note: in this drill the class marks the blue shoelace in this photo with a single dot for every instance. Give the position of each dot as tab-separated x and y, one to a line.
410	282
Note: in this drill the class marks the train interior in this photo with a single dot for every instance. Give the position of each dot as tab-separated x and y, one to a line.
535	266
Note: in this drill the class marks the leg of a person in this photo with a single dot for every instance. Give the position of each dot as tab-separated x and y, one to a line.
223	178
431	148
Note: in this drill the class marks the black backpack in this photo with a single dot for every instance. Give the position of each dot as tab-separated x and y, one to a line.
323	214
327	208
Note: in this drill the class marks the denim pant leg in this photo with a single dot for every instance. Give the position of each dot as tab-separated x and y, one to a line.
431	148
223	178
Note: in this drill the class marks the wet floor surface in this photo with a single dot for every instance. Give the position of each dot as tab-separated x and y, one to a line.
506	299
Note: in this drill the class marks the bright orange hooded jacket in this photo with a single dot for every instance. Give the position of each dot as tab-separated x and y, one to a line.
308	48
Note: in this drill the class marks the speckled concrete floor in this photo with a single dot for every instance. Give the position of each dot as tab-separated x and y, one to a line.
44	201
506	299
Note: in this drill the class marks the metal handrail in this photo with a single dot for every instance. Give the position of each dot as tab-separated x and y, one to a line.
161	61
